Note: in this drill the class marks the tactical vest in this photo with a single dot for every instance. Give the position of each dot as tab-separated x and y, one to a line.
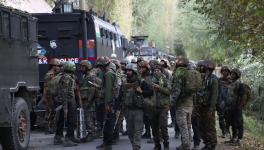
132	99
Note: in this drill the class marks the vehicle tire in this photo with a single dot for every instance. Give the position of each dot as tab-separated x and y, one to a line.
17	137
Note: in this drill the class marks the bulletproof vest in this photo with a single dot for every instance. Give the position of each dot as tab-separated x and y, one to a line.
86	88
132	99
70	90
53	84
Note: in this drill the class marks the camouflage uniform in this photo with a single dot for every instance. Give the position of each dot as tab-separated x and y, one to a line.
109	79
157	109
89	96
133	103
236	113
121	78
184	106
49	100
207	100
67	115
222	105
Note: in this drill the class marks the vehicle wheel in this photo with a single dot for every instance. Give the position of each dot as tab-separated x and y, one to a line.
17	136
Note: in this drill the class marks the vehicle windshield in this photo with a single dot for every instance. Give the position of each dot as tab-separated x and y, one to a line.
145	51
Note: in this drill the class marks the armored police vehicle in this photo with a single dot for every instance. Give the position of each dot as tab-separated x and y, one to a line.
61	35
18	77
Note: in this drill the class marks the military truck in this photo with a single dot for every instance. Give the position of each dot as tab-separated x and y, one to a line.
19	82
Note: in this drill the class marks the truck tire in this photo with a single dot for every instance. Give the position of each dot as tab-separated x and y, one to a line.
17	137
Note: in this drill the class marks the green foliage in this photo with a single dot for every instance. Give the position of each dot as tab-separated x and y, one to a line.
254	126
238	21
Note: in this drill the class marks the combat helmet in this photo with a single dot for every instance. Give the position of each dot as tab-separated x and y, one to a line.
69	66
132	67
237	72
112	66
225	68
117	63
103	61
182	61
209	64
87	64
144	64
124	61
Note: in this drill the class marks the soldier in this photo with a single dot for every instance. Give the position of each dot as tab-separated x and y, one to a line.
66	105
144	70
54	69
158	106
100	102
89	85
123	63
196	115
109	88
133	101
206	101
237	91
223	97
183	103
116	68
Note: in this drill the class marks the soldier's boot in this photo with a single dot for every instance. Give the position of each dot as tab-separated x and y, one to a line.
136	148
166	145
157	146
146	135
69	143
75	140
103	145
232	140
176	135
57	140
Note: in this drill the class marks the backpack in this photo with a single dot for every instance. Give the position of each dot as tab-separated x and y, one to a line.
192	81
246	95
52	85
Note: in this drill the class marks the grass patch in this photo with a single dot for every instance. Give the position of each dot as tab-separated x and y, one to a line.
254	128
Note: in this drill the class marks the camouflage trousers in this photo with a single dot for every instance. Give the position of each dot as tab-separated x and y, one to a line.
184	121
159	123
90	119
135	125
207	126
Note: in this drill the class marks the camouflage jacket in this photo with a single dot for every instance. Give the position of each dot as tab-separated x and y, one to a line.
46	91
178	98
160	98
223	96
108	87
207	98
129	97
66	92
90	86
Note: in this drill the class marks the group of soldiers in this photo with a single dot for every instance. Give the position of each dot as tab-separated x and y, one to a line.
142	93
